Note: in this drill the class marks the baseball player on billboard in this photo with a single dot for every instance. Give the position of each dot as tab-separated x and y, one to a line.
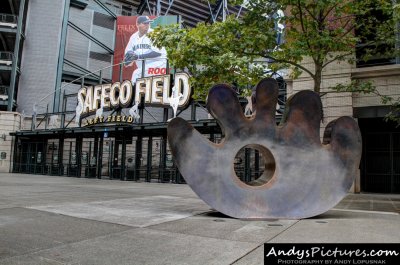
140	50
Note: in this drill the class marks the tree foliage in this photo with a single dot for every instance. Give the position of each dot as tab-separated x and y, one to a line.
326	31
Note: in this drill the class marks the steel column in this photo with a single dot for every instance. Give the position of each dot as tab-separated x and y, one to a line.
163	156
15	154
61	54
100	157
78	151
123	158
257	163
60	155
193	112
247	170
138	156
149	157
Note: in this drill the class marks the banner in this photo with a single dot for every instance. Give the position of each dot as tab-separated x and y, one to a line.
134	48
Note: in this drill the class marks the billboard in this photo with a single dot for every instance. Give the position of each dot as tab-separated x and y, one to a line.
134	48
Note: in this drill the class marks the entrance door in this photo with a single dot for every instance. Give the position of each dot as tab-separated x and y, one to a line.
380	168
112	154
30	158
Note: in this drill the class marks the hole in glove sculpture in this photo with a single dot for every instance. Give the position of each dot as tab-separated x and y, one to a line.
309	178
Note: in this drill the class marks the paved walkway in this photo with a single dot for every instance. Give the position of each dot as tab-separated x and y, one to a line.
62	220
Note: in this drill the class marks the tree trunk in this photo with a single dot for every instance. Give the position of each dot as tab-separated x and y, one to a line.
318	78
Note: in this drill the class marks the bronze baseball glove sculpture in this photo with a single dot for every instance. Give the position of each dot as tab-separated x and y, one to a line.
302	177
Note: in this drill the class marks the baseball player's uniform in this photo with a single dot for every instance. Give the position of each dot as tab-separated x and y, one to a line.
143	50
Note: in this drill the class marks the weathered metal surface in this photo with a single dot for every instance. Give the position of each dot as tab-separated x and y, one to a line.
306	178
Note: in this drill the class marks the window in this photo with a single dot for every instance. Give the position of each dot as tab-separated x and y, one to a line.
375	48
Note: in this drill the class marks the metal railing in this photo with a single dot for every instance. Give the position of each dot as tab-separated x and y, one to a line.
6	57
8	18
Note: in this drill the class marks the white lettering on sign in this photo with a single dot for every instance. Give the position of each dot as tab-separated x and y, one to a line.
155	90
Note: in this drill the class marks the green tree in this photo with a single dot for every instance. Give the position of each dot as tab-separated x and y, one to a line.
237	50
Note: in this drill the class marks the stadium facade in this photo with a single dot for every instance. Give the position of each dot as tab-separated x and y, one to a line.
49	49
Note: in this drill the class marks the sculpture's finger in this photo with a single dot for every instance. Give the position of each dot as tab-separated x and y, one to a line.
181	136
197	160
301	122
266	100
344	139
224	106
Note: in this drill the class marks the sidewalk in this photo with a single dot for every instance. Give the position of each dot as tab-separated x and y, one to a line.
64	220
